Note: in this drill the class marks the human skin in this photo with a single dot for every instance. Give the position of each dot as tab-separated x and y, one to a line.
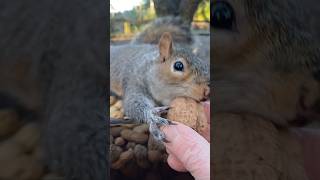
188	150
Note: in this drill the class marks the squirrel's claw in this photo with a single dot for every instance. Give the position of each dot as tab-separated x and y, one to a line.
171	123
155	121
161	110
161	121
165	140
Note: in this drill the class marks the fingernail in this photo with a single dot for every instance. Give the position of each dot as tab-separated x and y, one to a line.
170	132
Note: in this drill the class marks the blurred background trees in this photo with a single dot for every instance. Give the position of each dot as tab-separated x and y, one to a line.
125	23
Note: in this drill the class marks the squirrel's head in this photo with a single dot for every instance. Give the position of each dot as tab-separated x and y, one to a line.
180	73
232	32
263	33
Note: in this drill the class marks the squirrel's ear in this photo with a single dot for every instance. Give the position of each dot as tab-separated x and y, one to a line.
165	46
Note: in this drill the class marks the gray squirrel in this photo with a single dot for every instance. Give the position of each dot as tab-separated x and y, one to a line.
150	76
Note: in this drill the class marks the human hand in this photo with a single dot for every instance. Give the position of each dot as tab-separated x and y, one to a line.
188	150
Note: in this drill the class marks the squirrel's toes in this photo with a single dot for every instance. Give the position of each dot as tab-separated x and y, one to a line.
161	110
157	133
159	121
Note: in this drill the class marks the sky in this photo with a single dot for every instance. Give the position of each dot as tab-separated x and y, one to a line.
123	5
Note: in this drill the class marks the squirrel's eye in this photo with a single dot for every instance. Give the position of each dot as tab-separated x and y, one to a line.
222	15
178	66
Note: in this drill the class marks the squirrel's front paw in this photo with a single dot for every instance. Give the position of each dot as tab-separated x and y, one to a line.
159	121
156	114
157	133
155	121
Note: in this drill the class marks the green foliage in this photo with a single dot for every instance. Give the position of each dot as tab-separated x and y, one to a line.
145	13
203	11
136	18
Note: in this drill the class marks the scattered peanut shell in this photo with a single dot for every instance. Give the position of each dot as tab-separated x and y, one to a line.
130	145
119	141
115	152
130	135
115	131
130	126
143	128
123	159
188	112
117	114
141	156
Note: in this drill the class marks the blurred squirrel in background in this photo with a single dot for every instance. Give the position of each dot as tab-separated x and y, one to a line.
181	34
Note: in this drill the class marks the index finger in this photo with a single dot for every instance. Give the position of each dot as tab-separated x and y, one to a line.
188	147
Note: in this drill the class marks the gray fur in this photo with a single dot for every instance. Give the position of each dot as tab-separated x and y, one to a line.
152	32
181	33
136	69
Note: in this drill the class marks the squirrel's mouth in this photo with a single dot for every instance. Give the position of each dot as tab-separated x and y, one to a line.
202	99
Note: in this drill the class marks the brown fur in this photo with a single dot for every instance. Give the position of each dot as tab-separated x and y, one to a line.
264	73
145	76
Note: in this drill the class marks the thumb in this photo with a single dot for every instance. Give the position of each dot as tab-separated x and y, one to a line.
189	148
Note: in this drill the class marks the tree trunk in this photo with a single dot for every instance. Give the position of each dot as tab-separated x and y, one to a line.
183	8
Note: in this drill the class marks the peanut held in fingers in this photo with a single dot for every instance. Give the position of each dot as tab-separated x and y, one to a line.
188	112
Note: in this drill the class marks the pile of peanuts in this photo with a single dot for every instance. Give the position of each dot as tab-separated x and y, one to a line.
131	148
132	142
21	156
135	154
